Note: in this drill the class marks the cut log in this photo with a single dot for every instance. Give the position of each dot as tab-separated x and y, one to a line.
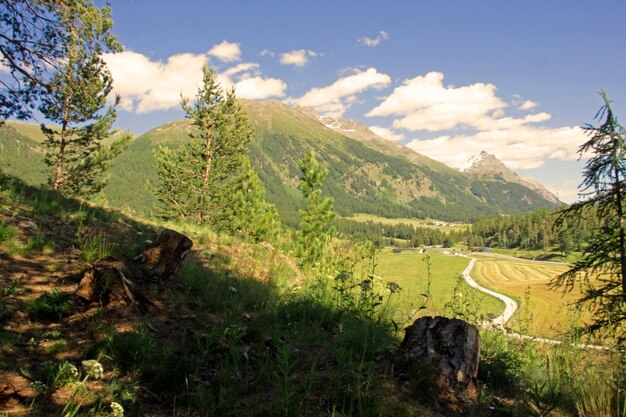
443	353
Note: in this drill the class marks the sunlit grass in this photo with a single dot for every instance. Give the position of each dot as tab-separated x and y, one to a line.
409	270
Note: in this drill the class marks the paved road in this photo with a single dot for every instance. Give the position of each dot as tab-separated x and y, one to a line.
510	305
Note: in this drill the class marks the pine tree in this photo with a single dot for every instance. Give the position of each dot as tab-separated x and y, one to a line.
604	257
252	215
34	35
77	97
316	227
198	180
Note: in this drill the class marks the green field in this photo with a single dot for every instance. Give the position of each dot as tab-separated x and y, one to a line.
408	270
543	311
363	217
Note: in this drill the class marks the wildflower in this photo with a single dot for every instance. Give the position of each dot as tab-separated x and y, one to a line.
39	386
73	370
93	368
116	409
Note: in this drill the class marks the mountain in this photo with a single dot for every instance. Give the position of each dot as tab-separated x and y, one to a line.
367	174
489	168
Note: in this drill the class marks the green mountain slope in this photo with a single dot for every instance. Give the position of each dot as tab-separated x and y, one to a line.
21	154
366	173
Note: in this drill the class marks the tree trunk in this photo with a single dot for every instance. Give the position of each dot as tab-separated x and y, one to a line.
622	237
207	170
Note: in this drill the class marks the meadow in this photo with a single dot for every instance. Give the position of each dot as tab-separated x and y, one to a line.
410	270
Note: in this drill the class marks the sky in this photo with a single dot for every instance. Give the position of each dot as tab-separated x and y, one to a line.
448	79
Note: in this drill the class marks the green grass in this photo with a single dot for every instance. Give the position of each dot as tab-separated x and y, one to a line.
409	270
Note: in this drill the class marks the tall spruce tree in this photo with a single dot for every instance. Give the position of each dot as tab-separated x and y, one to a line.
76	103
602	268
316	226
198	180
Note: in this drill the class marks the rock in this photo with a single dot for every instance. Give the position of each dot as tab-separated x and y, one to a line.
443	353
163	259
13	384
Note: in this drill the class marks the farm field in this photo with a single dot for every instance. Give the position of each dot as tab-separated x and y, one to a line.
363	217
542	311
408	269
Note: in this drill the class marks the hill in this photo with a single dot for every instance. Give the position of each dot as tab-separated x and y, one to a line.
367	174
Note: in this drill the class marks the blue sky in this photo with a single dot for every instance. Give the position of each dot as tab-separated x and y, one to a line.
446	78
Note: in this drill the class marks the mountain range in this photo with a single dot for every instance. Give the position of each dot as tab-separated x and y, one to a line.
367	174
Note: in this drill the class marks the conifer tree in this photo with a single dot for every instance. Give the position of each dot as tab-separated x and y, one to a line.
602	268
315	227
252	215
197	181
75	102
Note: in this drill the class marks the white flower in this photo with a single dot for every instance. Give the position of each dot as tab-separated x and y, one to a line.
73	370
93	368
117	409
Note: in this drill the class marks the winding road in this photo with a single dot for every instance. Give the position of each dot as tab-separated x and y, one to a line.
510	304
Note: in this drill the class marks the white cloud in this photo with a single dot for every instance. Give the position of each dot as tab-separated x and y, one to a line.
527	105
258	88
567	191
226	51
519	147
4	67
297	58
373	42
267	52
335	99
388	134
472	119
424	103
145	85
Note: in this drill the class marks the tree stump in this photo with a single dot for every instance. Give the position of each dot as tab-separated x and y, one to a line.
112	280
163	259
443	353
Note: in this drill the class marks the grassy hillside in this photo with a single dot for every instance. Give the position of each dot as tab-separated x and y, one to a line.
21	154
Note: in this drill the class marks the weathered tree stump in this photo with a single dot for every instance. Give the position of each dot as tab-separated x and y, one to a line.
112	280
163	259
444	353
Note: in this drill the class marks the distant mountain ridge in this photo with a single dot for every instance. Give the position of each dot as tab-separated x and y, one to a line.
487	166
367	174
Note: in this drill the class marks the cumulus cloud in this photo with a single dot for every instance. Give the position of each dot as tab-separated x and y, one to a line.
226	51
527	105
424	103
388	134
471	119
519	147
336	98
146	85
267	52
297	58
373	42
